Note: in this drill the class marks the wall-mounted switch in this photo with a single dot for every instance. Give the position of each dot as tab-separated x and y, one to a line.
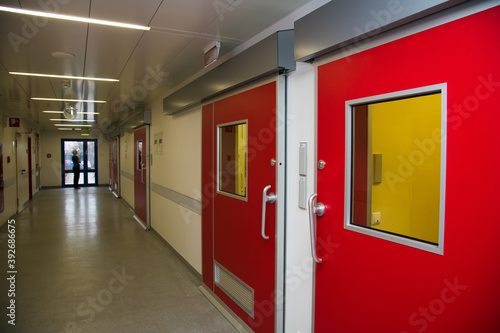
376	218
302	192
303	158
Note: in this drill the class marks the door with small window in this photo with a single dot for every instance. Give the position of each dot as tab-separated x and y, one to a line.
240	168
406	175
141	176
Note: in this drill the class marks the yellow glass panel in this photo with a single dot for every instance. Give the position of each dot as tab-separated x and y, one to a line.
403	166
233	159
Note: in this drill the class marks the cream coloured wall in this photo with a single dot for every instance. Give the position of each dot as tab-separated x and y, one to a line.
176	166
50	143
8	138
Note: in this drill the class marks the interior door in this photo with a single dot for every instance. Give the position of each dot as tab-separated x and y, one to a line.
368	279
22	171
113	166
141	175
239	251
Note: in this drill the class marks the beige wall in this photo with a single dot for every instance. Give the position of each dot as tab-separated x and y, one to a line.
50	143
8	138
177	167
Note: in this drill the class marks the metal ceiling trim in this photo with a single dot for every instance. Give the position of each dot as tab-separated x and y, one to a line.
344	23
272	54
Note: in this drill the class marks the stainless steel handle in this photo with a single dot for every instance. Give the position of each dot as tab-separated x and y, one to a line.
271	198
319	210
142	173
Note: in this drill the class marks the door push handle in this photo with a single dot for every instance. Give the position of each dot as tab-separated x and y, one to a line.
142	173
318	210
271	198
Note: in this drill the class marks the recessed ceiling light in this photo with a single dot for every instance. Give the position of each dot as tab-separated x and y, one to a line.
63	55
73	18
65	77
65	129
65	100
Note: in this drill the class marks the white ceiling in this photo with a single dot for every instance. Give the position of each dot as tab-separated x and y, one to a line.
172	50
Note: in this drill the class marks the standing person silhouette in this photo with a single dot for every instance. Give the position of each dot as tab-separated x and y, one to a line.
76	169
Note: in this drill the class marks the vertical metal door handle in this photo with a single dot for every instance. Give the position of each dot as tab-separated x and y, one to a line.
319	210
142	173
266	198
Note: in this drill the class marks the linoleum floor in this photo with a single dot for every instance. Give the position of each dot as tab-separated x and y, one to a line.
85	265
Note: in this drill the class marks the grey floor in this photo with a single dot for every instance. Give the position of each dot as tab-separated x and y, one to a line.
85	265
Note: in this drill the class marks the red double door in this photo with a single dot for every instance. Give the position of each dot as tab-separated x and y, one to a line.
141	175
368	284
113	165
239	145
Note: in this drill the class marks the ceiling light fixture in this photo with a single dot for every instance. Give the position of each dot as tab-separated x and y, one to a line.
73	125
83	120
65	77
73	18
78	112
65	100
65	129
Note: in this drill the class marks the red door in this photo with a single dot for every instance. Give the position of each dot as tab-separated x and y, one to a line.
113	166
239	143
141	175
368	284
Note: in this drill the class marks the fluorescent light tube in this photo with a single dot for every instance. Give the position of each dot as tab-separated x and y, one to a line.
73	125
65	77
78	112
73	18
65	100
82	120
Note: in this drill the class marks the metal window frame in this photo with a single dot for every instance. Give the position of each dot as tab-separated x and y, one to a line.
422	245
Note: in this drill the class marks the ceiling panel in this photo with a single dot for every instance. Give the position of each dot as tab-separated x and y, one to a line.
247	18
109	49
76	8
126	11
186	15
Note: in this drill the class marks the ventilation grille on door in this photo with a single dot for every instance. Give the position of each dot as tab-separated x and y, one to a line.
236	289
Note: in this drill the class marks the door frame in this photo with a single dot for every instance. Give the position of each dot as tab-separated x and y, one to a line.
280	205
112	174
82	172
19	173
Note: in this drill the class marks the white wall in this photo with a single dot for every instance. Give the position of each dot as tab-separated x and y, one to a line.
127	168
299	264
50	143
